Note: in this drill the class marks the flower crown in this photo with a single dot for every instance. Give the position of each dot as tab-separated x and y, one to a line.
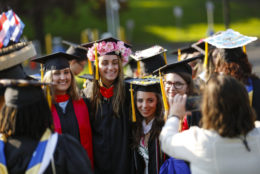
106	47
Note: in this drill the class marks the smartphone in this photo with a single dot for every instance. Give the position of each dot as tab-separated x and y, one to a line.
193	103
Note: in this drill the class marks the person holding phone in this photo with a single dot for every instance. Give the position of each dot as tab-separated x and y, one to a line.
227	142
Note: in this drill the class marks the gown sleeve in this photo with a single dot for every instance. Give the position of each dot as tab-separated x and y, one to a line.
70	157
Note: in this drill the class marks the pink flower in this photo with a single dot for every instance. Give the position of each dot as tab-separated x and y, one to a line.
109	47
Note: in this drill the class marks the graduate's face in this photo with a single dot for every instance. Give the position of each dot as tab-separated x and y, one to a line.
77	66
146	104
62	80
174	84
108	69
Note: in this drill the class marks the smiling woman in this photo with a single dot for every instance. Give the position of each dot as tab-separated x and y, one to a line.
69	111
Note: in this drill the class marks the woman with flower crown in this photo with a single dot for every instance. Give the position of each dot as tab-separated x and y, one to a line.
110	110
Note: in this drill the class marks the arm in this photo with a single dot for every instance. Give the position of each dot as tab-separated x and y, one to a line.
178	145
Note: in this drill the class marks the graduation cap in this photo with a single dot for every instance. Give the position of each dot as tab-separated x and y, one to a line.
20	93
87	76
232	42
14	55
189	51
56	61
108	46
142	84
76	50
151	58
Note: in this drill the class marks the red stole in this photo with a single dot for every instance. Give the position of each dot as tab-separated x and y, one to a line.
106	92
82	115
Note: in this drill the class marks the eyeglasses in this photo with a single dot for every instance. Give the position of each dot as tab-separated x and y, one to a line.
177	85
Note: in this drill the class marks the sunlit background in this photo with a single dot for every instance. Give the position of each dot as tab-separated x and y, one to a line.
142	23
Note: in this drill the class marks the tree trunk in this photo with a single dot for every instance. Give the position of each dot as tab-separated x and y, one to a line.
226	13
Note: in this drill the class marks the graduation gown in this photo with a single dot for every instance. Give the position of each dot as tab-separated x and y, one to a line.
111	139
77	126
156	158
69	156
256	96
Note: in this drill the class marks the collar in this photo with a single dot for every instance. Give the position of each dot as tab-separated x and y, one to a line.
106	92
147	127
62	98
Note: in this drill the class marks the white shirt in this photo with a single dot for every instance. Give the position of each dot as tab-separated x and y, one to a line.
208	152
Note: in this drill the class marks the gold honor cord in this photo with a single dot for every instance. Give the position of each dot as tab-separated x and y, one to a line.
179	55
165	57
165	103
132	103
244	49
206	55
96	63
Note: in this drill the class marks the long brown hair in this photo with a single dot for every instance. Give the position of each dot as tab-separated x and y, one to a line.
119	92
226	108
73	90
234	62
158	122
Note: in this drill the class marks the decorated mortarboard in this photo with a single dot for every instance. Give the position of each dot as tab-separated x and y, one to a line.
56	61
229	39
76	50
151	58
21	93
108	46
145	84
16	54
142	84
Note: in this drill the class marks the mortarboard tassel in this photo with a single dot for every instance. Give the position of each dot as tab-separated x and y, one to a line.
206	55
48	93
138	68
165	103
165	57
96	63
244	49
41	72
90	67
132	103
179	55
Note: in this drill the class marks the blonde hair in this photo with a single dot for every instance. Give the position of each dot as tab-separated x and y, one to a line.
119	92
73	90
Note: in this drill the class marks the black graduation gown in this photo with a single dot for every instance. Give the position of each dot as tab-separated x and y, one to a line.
110	136
156	158
256	97
68	120
69	156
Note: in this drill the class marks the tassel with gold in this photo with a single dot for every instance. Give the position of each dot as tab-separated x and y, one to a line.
138	68
165	102
48	94
96	63
165	58
132	103
90	71
41	72
179	55
206	55
244	49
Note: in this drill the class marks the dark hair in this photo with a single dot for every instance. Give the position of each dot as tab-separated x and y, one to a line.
137	130
29	121
226	108
234	62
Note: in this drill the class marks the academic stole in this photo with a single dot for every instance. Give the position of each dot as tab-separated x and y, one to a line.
37	156
250	91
